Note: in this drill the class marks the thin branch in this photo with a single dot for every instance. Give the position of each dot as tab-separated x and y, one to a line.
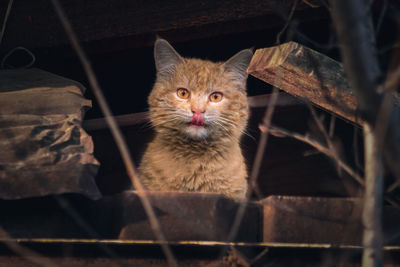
310	4
116	132
288	20
255	169
3	27
372	209
332	126
279	132
259	256
328	140
354	28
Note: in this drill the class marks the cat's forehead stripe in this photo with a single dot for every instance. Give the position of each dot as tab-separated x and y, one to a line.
200	74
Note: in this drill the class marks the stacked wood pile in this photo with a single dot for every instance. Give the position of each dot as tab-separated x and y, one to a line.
43	148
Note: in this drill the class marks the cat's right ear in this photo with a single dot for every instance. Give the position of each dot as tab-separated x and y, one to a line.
166	58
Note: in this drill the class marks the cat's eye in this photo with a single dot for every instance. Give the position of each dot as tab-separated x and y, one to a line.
183	93
216	97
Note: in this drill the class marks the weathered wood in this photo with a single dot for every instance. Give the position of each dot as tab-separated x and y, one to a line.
120	19
307	74
43	148
143	117
186	216
122	120
321	220
183	216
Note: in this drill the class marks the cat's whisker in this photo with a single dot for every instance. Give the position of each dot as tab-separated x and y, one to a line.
157	123
222	126
249	135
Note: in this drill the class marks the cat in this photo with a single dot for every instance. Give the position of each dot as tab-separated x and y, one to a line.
199	111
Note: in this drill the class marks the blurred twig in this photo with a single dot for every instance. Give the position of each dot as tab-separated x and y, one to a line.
372	209
355	33
288	20
279	132
116	132
3	27
354	28
255	169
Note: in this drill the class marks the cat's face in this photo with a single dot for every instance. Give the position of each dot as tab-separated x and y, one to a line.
199	99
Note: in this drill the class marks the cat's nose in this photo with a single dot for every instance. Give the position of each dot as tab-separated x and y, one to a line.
198	110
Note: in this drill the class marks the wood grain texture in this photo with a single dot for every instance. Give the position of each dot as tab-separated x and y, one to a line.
306	74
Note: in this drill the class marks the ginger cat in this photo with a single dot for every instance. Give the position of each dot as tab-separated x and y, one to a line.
199	111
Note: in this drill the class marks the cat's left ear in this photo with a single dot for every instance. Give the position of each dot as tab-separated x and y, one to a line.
166	58
237	65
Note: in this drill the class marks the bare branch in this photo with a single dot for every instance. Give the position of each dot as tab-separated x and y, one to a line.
279	132
354	28
372	209
3	27
116	132
355	32
288	20
256	165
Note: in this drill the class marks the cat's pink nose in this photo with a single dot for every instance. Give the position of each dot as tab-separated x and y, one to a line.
198	110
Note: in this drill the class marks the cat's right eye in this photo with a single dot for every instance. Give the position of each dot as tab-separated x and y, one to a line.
183	93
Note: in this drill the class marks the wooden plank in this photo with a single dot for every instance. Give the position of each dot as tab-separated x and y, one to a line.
143	117
182	215
321	220
29	26
122	121
185	216
307	74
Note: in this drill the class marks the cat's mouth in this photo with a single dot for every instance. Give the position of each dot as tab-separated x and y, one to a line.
197	124
197	120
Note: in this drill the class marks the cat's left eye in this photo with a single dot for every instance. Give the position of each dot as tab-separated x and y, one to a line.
216	97
183	93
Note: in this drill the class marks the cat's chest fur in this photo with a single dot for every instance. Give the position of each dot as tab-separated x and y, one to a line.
216	169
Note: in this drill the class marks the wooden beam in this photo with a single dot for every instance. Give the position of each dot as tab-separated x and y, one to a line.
143	117
182	215
319	220
34	24
307	74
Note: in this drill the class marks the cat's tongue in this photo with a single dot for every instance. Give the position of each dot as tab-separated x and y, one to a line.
198	119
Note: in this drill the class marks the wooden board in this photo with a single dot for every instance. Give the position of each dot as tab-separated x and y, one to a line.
314	220
307	74
143	117
35	24
183	216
